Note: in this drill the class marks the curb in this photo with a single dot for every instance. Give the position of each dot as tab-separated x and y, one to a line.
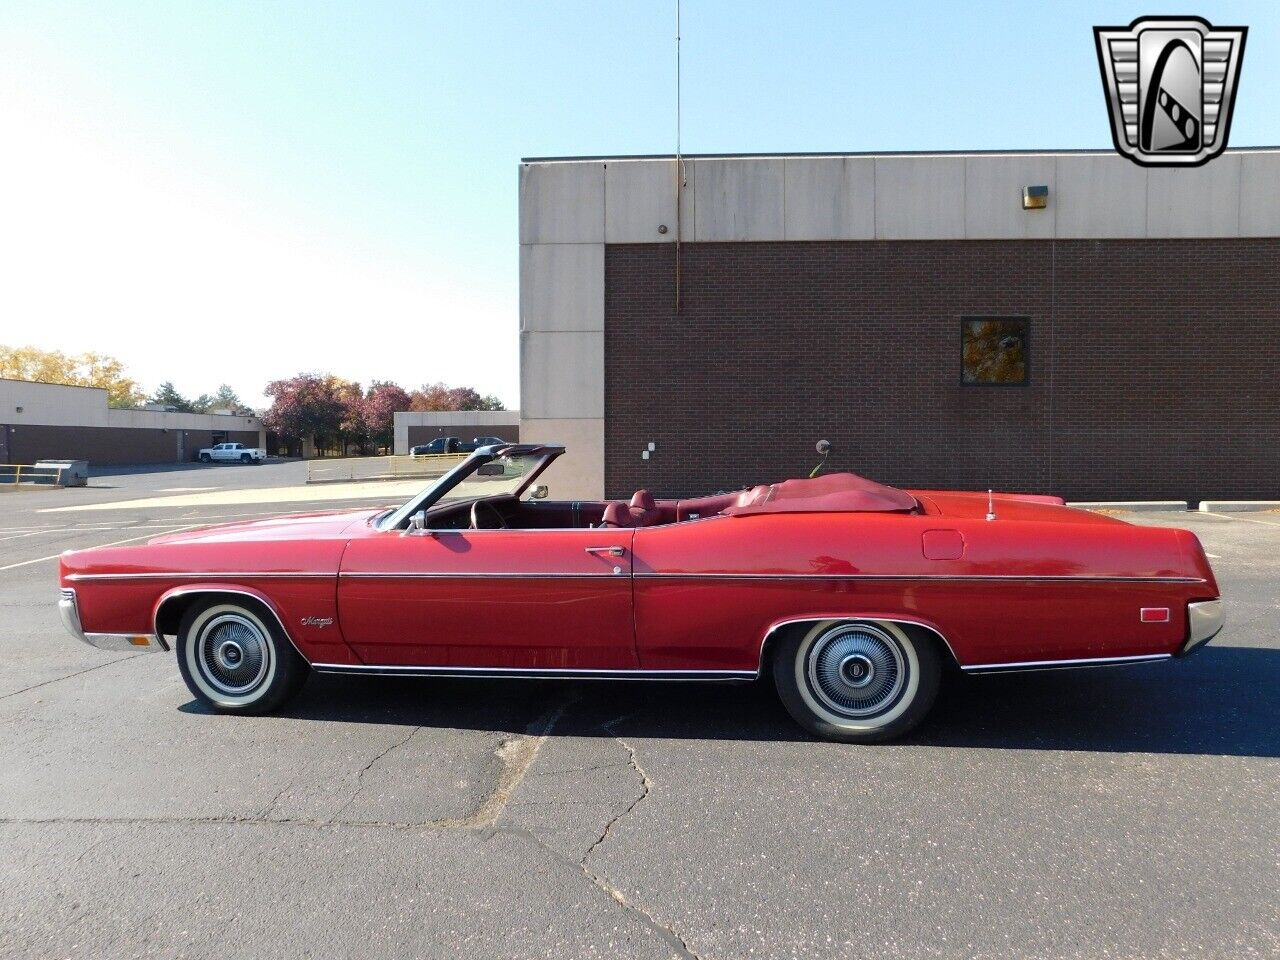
1131	506
1238	506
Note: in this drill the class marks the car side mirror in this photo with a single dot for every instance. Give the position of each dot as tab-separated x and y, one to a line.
417	524
540	492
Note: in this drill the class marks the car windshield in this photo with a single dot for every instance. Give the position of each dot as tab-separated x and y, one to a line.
480	475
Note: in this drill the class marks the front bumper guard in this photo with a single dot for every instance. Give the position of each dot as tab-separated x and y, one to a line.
69	610
1204	620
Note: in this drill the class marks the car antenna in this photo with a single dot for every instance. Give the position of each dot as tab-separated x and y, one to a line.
823	447
991	505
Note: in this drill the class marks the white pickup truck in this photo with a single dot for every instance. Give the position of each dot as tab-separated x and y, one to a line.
232	453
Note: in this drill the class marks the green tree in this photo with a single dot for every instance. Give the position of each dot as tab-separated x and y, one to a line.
167	395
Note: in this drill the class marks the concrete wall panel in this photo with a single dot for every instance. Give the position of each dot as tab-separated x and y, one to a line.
829	198
738	199
1259	194
919	198
561	375
1101	197
993	197
579	473
639	197
562	202
562	286
1197	202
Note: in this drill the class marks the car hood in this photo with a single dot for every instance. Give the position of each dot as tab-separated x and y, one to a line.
293	526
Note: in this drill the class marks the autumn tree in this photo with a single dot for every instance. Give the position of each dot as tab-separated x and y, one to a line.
349	398
79	370
380	405
305	406
438	396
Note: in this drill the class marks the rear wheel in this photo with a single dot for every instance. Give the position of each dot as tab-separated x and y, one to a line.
859	681
234	658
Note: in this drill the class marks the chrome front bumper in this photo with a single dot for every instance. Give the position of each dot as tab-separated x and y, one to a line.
1204	619
69	610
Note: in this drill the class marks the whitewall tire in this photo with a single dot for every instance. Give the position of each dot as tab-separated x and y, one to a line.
858	681
234	657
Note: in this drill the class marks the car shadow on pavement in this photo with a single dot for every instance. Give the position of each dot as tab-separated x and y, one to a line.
1222	701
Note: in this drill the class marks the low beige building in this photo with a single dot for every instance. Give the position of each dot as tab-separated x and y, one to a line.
50	421
413	427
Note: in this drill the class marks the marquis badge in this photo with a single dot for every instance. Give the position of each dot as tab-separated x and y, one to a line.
1170	84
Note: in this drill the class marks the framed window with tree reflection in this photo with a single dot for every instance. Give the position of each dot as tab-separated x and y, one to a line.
995	350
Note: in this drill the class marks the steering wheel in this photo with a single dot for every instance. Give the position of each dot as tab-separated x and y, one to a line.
491	510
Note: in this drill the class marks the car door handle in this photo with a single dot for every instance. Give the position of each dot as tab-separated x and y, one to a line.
611	551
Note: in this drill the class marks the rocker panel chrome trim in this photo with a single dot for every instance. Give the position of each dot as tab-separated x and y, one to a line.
1065	664
534	673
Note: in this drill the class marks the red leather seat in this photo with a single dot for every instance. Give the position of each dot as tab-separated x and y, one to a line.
644	509
617	514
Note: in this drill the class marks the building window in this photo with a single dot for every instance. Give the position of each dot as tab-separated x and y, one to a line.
994	350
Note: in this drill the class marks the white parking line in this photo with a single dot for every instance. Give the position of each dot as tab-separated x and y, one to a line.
1236	516
114	543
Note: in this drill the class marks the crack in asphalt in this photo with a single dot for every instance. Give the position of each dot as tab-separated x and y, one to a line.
78	673
517	754
638	913
365	769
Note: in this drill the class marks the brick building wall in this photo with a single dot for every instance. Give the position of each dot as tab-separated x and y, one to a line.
111	446
1153	366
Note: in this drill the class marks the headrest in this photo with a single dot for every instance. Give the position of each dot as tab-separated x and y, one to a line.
616	514
643	500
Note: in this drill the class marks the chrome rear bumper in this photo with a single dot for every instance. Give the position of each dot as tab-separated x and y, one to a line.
69	610
1204	619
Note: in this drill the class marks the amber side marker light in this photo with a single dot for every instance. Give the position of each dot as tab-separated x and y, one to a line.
140	641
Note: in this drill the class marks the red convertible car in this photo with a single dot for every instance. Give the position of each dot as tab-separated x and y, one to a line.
851	594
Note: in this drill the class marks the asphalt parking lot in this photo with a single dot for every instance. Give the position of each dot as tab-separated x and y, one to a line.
1128	812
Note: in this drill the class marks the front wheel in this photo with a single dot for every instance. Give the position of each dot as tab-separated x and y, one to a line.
205	458
245	458
234	658
859	681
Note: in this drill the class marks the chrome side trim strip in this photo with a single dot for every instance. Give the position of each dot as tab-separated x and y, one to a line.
1014	577
212	576
534	673
205	588
414	575
539	575
1062	664
125	641
843	618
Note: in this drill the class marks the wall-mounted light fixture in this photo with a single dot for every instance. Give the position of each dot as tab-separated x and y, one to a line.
648	451
19	409
1035	198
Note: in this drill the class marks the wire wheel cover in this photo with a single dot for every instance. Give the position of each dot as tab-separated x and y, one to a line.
856	670
233	654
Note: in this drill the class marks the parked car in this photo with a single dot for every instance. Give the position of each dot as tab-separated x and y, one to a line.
232	453
850	594
453	445
437	446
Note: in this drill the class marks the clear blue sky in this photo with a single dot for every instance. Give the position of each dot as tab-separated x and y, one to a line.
191	168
